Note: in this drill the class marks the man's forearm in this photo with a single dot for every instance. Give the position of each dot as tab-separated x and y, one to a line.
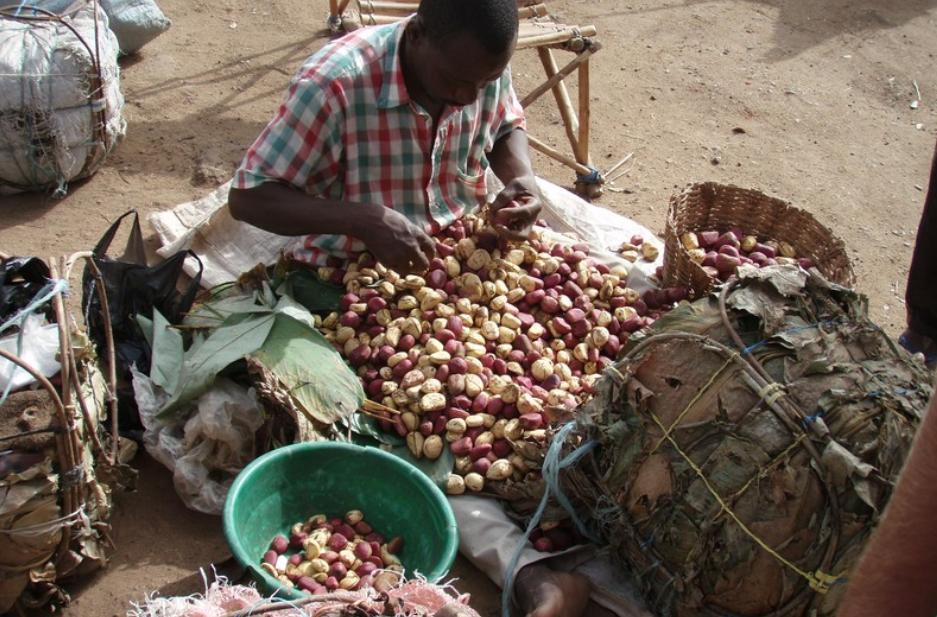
897	574
283	210
510	157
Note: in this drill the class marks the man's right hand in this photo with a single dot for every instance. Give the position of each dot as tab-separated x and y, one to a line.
396	242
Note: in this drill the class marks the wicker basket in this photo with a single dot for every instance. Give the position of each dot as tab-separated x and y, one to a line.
709	205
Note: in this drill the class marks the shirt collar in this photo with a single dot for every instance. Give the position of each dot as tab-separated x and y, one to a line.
394	88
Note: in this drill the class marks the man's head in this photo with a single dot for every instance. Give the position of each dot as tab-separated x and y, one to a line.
456	47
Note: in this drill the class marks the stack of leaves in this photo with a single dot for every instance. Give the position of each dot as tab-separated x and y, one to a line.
748	444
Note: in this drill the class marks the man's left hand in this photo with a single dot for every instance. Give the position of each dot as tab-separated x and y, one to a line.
516	208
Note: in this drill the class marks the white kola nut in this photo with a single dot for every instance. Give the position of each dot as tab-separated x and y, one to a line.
330	321
497	384
388	401
400	398
528	283
453	267
478	259
474	482
378	341
432	447
473	385
456	425
430	301
475	420
489	290
511	321
515	256
350	345
413	394
415	444
440	323
413	282
562	357
456	384
603	319
462	463
624	313
474	366
506	335
510	393
445	310
410	420
563	371
423	361
388	387
515	368
542	369
434	401
455	484
440	357
516	294
497	429
501	469
414	377
344	334
528	404
599	337
490	330
550	265
502	350
565	303
498	302
486	437
464	248
431	385
631	296
501	287
464	306
432	346
311	548
513	429
536	330
407	303
392	335
607	289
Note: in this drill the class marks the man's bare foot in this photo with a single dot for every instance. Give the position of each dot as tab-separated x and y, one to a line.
543	592
918	343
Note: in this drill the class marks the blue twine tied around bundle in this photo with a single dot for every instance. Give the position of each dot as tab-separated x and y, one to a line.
51	289
593	177
552	466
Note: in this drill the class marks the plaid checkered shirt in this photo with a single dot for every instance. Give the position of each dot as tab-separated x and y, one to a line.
348	130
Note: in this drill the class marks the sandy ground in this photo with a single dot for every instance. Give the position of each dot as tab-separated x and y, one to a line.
822	91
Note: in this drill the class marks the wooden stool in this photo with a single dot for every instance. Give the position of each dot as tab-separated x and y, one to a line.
538	31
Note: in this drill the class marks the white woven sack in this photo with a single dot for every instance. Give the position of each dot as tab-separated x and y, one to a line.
61	112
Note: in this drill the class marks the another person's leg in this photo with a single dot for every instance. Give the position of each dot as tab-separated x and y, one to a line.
921	295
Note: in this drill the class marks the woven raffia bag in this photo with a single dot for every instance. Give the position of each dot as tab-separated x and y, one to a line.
747	445
712	206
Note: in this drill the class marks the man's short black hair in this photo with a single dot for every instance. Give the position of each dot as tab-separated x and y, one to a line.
493	23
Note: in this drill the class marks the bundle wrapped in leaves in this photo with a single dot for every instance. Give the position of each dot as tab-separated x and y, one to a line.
748	444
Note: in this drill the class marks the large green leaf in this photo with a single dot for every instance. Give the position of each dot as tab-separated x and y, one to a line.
311	370
311	291
167	355
239	336
214	312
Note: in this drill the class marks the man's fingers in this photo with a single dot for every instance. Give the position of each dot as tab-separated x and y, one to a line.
517	216
427	245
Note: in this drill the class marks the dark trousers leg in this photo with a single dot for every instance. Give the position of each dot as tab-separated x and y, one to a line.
921	296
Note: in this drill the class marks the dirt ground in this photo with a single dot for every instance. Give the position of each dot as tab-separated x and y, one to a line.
821	90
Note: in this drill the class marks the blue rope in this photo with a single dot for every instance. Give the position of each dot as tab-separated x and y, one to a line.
552	466
20	8
50	290
792	330
593	177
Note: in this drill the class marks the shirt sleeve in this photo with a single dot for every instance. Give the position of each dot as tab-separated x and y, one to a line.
510	112
302	146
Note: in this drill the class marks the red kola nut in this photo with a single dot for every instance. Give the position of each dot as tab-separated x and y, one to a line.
350	319
461	447
531	421
437	279
360	355
375	537
331	583
337	542
426	428
346	530
363	528
328	556
403	367
480	451
458	366
376	303
296	559
374	388
366	294
481	466
550	305
509	411
439	425
501	448
572	290
375	549
526	318
395	545
534	297
474	432
454	412
365	569
270	557
348	299
480	403
362	550
280	544
406	342
551	382
564	269
552	280
445	335
454	348
296	539
495	406
338	570
499	366
544	545
443	250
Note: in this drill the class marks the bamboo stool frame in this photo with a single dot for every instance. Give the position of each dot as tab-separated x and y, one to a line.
536	32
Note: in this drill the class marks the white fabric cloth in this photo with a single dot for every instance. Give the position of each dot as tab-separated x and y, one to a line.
229	248
488	539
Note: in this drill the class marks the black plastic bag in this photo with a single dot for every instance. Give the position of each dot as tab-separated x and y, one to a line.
134	288
21	279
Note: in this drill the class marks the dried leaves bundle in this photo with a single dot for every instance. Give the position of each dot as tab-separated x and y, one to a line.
749	448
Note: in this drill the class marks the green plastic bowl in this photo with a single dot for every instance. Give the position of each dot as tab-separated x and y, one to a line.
290	484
